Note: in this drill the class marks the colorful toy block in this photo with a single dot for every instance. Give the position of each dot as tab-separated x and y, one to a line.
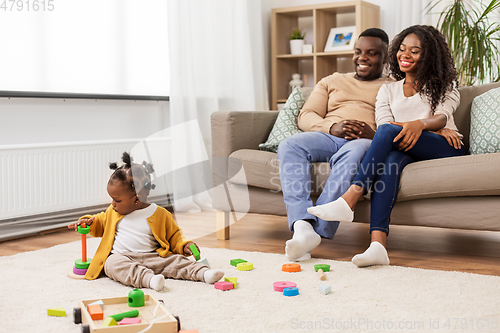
235	262
79	271
205	261
130	321
291	268
294	291
127	314
58	312
135	298
195	251
281	285
244	266
100	302
109	321
223	285
324	267
232	280
95	312
325	289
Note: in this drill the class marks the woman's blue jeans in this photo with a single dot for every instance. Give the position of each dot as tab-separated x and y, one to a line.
382	165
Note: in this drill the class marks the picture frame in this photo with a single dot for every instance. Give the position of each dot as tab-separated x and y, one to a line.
341	39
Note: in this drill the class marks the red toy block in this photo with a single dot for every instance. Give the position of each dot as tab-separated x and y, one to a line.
129	321
223	285
95	312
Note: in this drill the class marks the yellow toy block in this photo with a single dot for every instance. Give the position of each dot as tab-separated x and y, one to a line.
244	266
233	280
109	321
58	312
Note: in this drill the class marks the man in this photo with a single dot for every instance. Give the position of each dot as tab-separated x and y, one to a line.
338	121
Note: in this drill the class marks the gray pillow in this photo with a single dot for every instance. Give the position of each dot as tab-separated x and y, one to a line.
485	123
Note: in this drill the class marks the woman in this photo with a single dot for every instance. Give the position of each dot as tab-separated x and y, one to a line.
414	123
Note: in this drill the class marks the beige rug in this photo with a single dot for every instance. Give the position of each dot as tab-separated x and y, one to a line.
377	299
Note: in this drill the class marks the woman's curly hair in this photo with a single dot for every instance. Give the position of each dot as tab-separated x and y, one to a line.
136	177
436	74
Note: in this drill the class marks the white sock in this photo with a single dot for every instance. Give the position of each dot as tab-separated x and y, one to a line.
212	275
376	254
157	282
337	210
304	240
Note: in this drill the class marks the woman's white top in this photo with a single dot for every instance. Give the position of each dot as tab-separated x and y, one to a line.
393	105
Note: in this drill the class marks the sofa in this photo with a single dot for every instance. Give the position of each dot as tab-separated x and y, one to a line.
459	192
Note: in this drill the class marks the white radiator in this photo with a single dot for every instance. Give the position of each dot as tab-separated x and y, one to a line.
46	178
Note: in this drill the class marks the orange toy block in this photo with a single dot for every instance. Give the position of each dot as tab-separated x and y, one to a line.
290	268
95	312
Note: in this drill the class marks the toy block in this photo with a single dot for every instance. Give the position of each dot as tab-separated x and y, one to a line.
223	285
127	314
135	298
325	289
232	280
294	291
109	321
235	262
204	261
324	267
100	302
130	321
321	274
244	266
58	312
195	251
82	264
79	271
281	285
291	268
95	312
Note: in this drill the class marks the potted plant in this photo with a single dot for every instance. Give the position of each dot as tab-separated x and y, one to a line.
296	41
472	34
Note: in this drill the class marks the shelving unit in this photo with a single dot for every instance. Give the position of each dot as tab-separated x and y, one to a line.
317	20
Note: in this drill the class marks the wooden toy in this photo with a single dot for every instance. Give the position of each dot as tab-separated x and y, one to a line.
164	322
232	280
130	321
223	285
58	312
100	302
281	285
244	266
293	291
135	298
321	274
81	265
324	267
95	311
291	268
325	289
109	321
235	262
205	261
126	314
195	251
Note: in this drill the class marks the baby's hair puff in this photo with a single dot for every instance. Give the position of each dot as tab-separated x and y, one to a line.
135	177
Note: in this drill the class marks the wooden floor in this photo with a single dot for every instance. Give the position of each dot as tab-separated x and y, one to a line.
429	248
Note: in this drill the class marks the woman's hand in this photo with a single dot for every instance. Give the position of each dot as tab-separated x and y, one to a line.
188	251
451	136
410	133
75	225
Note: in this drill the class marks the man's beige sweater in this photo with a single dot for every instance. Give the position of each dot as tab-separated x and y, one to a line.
339	97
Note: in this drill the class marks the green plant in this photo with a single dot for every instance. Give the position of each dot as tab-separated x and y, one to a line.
297	34
472	36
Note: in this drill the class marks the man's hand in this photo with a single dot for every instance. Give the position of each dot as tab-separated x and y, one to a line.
409	135
352	129
451	136
87	222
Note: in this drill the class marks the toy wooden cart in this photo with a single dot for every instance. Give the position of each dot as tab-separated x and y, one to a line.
112	306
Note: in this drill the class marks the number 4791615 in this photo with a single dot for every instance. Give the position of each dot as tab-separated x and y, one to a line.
27	5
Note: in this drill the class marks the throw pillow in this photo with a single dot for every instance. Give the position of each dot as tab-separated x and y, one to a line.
286	122
485	123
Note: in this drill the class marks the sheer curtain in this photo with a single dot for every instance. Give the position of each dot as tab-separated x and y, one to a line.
403	14
217	64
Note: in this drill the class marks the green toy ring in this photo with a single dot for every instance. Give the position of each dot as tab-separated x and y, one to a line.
83	231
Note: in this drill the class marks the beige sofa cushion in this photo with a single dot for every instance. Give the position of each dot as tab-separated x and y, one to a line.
446	177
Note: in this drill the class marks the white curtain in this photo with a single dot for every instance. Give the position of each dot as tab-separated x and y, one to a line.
217	64
405	13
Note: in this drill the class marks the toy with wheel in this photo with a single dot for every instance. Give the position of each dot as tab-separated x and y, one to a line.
81	265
